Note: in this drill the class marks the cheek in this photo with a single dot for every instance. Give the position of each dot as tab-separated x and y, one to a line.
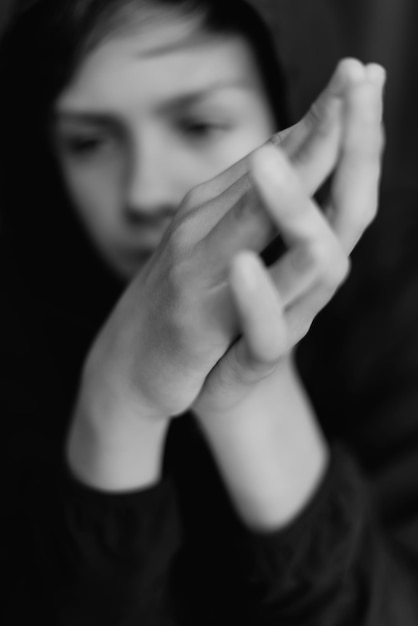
254	125
256	129
95	198
241	142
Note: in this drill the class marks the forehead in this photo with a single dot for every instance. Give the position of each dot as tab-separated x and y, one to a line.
166	60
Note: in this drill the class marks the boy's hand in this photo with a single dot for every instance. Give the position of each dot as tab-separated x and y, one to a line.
276	306
179	316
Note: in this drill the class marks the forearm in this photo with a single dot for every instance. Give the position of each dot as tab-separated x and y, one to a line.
111	446
269	450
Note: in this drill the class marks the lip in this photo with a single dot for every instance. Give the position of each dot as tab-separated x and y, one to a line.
137	250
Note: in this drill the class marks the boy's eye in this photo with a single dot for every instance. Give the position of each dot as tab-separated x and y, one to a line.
85	145
201	128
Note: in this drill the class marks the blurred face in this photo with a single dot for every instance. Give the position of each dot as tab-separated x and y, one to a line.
147	117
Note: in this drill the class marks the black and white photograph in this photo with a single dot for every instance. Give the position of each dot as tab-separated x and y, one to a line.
209	312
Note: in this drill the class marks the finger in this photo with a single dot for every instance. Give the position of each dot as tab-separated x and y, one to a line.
285	200
315	157
303	142
262	341
235	176
284	207
348	70
317	138
314	253
261	319
311	265
313	143
298	271
354	190
243	225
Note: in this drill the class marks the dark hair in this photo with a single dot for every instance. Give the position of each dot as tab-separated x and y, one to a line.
53	36
38	59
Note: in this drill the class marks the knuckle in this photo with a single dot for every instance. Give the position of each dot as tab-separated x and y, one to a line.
179	278
320	254
302	259
177	241
253	363
288	139
184	233
332	264
340	269
245	206
256	368
317	119
268	351
268	361
189	200
194	197
367	215
314	115
276	139
279	138
301	328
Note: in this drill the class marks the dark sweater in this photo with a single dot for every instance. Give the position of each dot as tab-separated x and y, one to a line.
176	553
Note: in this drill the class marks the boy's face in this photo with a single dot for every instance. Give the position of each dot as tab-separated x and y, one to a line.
148	117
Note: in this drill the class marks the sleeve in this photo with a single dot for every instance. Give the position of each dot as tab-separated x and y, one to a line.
76	556
70	555
352	556
333	566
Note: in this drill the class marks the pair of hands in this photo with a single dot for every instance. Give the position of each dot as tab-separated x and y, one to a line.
205	321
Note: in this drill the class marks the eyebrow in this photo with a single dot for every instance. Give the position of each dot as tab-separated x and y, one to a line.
186	42
162	49
174	104
95	118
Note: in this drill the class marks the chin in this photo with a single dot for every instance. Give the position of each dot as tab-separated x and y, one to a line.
126	270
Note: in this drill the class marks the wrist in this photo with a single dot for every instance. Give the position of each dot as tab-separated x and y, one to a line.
113	443
270	451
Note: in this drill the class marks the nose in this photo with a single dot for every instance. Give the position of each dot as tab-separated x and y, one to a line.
157	178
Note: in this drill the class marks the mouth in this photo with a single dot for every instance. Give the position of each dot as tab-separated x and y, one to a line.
134	253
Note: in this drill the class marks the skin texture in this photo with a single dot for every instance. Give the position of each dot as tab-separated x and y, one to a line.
204	325
143	123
